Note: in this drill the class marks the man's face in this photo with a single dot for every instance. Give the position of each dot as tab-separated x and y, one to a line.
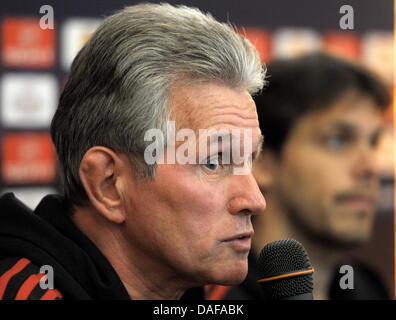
188	220
326	178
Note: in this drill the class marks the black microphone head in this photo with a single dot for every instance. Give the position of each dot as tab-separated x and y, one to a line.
285	270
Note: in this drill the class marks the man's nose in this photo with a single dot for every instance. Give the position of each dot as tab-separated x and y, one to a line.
249	199
366	164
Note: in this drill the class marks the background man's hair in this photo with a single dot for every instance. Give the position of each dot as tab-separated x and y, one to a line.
306	84
120	80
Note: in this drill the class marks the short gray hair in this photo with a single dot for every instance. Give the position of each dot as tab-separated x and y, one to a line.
120	81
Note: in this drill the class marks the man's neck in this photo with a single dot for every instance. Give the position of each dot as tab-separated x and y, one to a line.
138	274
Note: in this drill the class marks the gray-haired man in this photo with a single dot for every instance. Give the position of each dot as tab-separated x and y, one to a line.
125	228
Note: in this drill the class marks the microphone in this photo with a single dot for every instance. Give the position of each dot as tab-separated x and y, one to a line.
285	272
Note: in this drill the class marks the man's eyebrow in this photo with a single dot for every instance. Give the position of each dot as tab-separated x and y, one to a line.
350	128
341	126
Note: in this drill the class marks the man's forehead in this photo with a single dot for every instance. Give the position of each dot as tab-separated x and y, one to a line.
207	105
349	114
359	120
215	135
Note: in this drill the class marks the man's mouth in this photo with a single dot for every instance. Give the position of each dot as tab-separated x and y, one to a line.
240	241
357	201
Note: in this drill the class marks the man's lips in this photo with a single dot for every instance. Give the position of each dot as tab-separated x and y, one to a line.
357	200
239	242
240	236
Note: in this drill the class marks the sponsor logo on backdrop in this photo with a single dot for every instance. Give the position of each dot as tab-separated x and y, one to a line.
26	45
343	44
75	33
292	42
378	54
261	39
28	100
28	158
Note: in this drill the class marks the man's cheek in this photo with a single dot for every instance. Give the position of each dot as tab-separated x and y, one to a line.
206	203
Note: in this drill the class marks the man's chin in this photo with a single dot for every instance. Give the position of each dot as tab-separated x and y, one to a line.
354	236
339	239
356	240
348	240
231	276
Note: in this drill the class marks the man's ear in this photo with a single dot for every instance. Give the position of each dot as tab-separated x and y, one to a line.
101	173
264	169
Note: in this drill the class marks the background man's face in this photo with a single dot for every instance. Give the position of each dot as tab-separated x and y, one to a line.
326	177
187	218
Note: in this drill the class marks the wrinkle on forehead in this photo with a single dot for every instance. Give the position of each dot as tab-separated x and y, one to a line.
206	105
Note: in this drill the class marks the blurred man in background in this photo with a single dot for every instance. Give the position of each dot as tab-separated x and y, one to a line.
321	118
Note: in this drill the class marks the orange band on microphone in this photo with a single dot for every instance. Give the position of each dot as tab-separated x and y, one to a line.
287	275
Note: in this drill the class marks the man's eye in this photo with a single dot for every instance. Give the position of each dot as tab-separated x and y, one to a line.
213	164
336	141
